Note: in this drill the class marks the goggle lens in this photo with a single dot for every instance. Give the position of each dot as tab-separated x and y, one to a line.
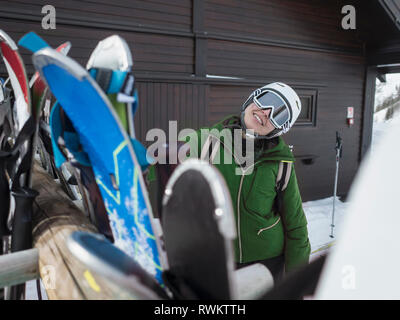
280	111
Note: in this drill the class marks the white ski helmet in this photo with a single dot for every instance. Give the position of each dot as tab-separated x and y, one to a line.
284	103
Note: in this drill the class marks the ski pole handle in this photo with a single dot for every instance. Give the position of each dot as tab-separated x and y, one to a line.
339	145
5	203
21	234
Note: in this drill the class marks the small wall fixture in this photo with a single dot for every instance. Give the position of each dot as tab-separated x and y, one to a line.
307	159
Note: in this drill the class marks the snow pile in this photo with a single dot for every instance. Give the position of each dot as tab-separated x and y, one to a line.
31	291
379	128
387	89
365	262
319	218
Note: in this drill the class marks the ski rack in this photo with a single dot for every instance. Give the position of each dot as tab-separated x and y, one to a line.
55	218
19	267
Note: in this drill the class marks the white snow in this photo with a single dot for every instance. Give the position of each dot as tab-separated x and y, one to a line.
253	281
380	125
364	264
379	128
319	218
319	213
31	291
388	88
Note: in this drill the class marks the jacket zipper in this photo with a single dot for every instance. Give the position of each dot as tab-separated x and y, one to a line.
238	211
238	198
239	192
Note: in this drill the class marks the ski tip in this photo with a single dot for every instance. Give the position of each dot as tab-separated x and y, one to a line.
32	42
4	37
112	52
64	48
49	56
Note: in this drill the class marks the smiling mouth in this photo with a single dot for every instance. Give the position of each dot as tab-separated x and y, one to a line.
258	119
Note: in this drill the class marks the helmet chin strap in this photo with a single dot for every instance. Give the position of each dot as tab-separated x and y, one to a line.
247	135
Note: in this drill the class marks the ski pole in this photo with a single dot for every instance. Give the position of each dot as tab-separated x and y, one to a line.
338	149
21	237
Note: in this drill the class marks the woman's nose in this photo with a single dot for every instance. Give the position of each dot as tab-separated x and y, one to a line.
267	112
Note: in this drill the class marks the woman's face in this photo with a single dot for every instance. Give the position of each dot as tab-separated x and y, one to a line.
258	120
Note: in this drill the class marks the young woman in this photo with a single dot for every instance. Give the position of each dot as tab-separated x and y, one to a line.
271	225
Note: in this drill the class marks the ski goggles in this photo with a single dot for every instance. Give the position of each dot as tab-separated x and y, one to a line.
280	111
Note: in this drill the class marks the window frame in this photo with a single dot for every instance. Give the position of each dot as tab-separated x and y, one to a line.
311	120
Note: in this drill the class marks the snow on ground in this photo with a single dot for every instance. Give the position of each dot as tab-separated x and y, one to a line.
319	213
380	127
388	88
31	291
319	218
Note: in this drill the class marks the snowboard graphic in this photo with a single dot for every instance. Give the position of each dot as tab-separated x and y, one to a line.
199	242
111	155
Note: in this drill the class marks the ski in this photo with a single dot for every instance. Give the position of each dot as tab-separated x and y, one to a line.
199	242
109	61
18	154
111	154
105	259
110	64
6	125
41	100
323	247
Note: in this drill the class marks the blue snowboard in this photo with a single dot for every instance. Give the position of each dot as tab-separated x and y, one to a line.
111	154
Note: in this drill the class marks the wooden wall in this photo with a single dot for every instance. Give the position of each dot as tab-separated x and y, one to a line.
177	45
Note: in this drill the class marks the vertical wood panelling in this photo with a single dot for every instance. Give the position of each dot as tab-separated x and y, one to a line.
200	44
163	102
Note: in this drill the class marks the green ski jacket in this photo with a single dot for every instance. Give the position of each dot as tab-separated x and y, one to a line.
262	232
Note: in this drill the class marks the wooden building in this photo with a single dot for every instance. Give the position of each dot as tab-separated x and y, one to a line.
196	61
